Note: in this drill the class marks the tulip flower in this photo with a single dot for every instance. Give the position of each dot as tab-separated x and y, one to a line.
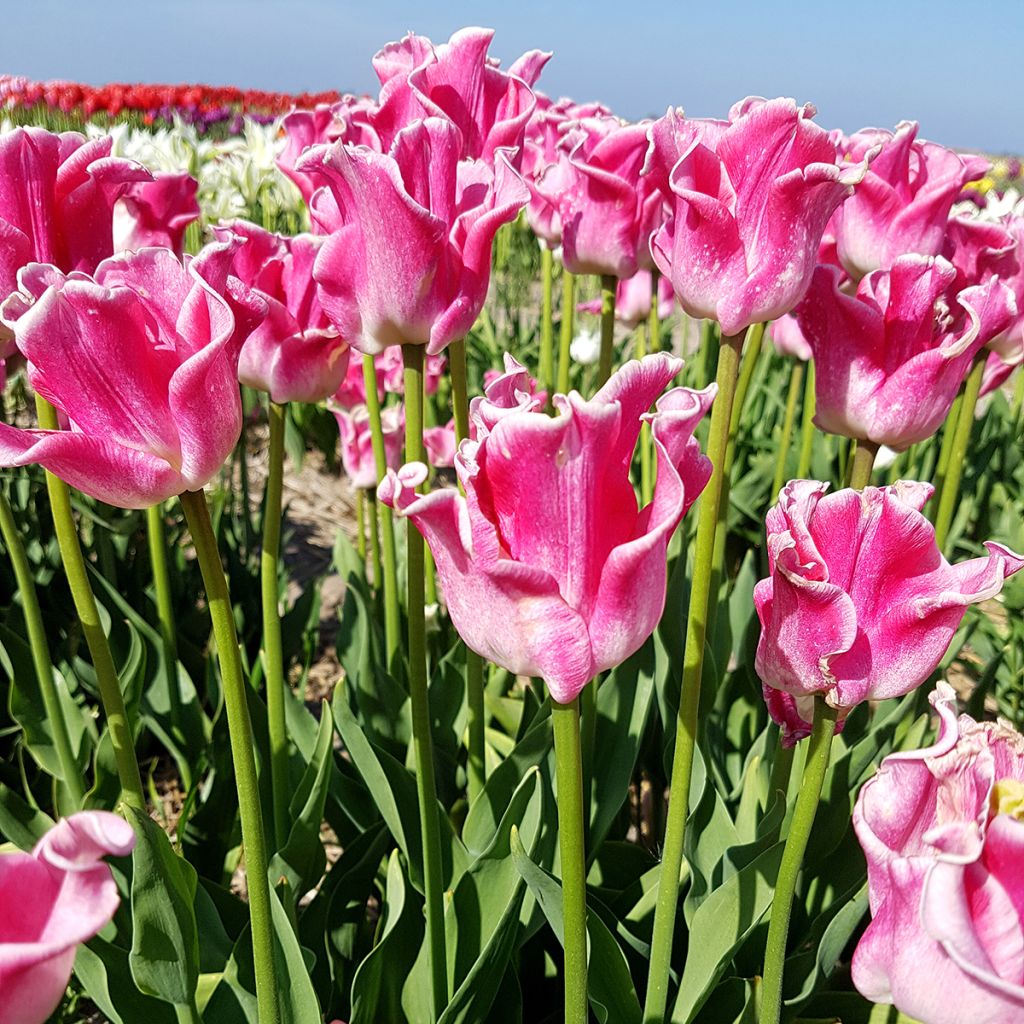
943	833
633	300
156	213
788	339
140	359
860	603
53	898
904	201
459	82
357	443
295	354
749	201
408	259
547	567
891	358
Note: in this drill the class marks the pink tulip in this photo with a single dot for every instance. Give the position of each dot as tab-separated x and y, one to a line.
60	894
891	358
441	445
749	201
633	300
788	339
157	212
546	565
357	443
141	359
860	604
999	258
785	712
943	833
608	211
57	198
904	201
295	355
391	373
409	255
459	82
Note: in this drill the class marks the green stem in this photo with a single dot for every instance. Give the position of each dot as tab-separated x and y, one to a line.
423	748
653	322
1018	398
807	427
41	654
946	450
782	769
188	1013
272	653
565	720
476	767
546	364
861	464
646	446
392	623
89	617
243	754
361	524
693	665
565	333
820	745
372	516
796	379
958	454
604	365
588	740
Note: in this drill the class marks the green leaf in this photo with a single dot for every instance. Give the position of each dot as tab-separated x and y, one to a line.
164	957
103	970
20	822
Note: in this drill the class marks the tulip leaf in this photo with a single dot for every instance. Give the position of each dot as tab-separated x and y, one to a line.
20	822
104	971
719	926
164	957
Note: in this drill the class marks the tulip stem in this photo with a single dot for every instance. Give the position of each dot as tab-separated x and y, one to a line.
546	363
272	654
88	615
689	703
361	524
796	379
369	498
476	767
807	427
653	322
188	1013
646	449
862	462
392	623
41	656
961	438
565	720
565	332
423	747
945	451
604	366
243	755
792	857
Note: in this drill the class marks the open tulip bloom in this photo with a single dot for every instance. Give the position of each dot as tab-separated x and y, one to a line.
547	566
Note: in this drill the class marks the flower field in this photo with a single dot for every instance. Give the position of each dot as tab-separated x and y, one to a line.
467	558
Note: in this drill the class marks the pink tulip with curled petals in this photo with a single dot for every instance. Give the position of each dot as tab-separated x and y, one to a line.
979	250
59	895
459	82
749	201
295	354
141	359
860	603
890	360
943	832
357	457
441	445
547	566
633	300
408	259
157	212
786	712
904	201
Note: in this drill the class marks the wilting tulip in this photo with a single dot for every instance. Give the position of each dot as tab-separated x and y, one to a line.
295	354
943	833
156	213
749	201
57	197
547	567
891	358
409	254
903	203
860	604
357	443
53	898
141	360
633	300
459	82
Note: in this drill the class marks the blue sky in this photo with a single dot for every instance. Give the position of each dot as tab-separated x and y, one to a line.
952	66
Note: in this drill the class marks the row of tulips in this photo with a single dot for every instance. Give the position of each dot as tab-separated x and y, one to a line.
553	558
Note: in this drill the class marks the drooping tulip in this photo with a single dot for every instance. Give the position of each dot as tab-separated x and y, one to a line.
409	254
891	358
546	565
157	212
943	833
57	896
749	200
860	603
140	359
